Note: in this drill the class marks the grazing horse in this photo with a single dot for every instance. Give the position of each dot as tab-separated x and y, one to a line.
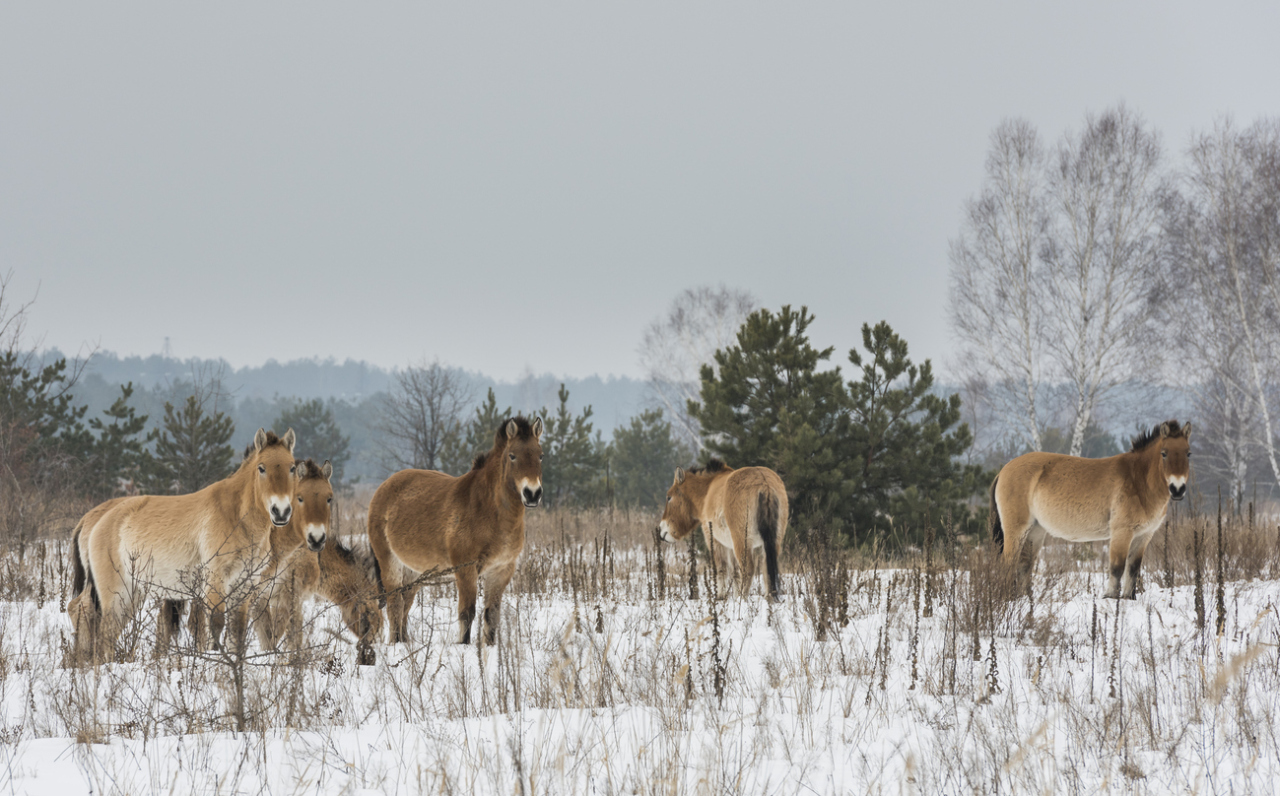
1122	498
166	541
422	519
745	511
345	576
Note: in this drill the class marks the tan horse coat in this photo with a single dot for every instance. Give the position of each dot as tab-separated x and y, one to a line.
1121	498
168	543
745	511
339	574
421	520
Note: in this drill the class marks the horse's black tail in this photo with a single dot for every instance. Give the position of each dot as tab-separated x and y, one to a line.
377	574
767	525
171	613
78	573
993	519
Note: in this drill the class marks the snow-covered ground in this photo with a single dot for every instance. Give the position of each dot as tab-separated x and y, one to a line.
617	693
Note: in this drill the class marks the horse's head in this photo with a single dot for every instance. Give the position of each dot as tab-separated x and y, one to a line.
311	513
680	516
517	442
274	474
1175	457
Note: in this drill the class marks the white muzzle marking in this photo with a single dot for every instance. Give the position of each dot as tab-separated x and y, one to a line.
316	535
1177	481
278	506
664	531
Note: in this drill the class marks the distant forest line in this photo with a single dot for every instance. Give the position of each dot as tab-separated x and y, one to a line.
255	396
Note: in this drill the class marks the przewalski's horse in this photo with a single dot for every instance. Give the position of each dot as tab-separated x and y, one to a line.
221	532
422	519
345	576
1122	498
745	511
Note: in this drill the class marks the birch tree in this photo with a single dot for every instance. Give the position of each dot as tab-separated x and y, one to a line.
1100	258
1227	231
997	293
700	321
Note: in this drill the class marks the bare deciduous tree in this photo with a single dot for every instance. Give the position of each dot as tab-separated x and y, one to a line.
1224	264
423	415
700	321
997	299
1100	256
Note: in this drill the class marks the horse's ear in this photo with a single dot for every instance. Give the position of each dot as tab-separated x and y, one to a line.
1164	431
512	429
288	439
1186	430
326	470
259	440
537	428
679	477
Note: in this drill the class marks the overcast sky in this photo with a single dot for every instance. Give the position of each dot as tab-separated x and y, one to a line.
525	186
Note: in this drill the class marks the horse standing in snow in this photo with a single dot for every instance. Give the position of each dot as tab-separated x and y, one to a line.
1122	498
744	511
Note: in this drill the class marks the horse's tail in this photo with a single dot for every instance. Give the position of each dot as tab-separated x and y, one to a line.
79	575
993	519
767	526
377	575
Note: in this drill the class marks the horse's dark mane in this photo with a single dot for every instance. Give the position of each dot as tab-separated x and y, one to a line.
308	469
1140	442
713	465
358	554
524	430
479	460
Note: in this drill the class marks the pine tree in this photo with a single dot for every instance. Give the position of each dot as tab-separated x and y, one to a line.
475	437
875	456
573	460
642	457
119	451
318	434
904	442
192	449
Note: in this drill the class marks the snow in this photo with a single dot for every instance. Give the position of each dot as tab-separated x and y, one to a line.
1087	696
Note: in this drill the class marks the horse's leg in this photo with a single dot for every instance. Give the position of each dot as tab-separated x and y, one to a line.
1121	542
217	607
466	580
1032	541
495	583
198	623
746	561
1134	565
169	623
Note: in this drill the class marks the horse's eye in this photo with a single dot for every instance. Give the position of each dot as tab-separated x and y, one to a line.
1164	454
292	469
330	500
513	457
262	468
539	457
1188	454
299	498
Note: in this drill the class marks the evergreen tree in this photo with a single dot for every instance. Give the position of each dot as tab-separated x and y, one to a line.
903	443
192	448
573	460
119	450
318	435
43	433
642	457
475	437
771	406
874	456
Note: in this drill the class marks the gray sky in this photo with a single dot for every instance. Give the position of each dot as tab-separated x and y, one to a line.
511	188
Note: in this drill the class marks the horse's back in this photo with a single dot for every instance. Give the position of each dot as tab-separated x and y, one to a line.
736	497
416	512
1071	497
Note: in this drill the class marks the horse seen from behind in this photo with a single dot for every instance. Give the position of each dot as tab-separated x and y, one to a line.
744	511
1122	498
423	520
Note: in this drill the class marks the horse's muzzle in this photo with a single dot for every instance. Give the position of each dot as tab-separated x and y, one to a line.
280	518
315	546
531	497
1177	492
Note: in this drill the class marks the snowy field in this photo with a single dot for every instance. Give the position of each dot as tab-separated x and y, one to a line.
925	683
